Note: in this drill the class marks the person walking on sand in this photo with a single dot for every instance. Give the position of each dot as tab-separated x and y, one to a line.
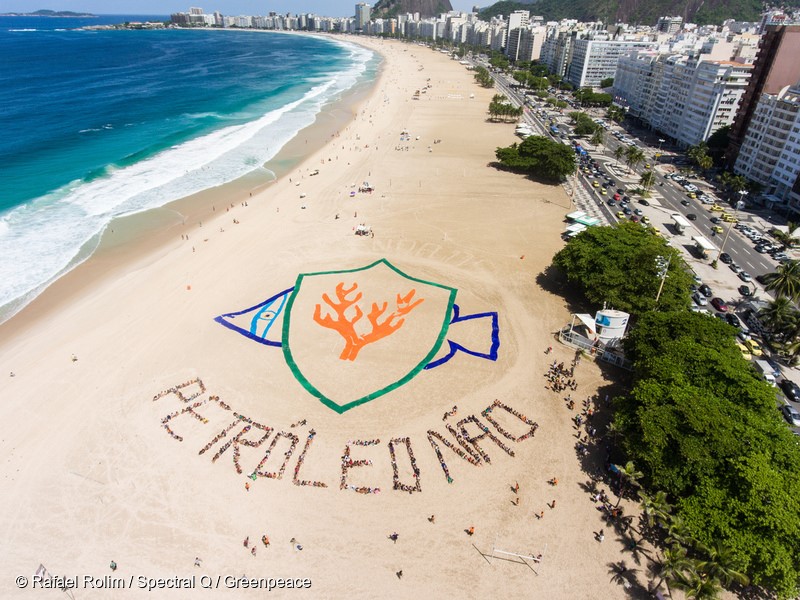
432	518
246	542
394	537
197	561
471	530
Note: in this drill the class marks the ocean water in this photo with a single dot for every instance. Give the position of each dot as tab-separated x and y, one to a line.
101	124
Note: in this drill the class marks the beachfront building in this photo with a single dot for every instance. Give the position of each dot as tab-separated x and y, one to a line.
596	59
770	152
362	16
683	97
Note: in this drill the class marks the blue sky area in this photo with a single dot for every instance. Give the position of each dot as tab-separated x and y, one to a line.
332	8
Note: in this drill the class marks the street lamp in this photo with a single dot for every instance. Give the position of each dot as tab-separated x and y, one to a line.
739	206
658	152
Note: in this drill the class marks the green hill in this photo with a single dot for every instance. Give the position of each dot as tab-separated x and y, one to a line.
645	12
426	8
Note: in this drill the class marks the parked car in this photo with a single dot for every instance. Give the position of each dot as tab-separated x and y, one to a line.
745	276
791	415
699	299
706	291
726	258
733	320
644	202
719	304
735	268
637	211
791	390
745	291
754	347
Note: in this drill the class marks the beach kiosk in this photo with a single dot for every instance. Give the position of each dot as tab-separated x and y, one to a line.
702	246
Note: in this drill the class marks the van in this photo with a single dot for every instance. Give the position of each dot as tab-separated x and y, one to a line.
765	370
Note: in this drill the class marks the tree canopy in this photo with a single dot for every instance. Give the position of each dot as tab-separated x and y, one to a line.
618	265
539	157
703	427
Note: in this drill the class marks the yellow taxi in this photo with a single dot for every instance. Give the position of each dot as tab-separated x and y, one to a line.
692	195
729	219
595	184
646	165
603	191
646	220
716	208
744	350
620	214
753	347
716	229
655	231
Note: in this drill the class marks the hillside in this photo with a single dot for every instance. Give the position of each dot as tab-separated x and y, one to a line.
425	8
645	12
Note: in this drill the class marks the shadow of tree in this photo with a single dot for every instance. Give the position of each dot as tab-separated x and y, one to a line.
625	576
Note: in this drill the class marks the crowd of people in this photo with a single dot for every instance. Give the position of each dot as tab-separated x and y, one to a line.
398	485
302	458
165	421
348	463
286	455
177	390
560	378
497	404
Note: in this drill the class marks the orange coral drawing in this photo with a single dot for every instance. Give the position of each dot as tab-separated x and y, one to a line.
355	341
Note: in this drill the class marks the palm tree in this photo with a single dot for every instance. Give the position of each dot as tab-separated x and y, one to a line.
677	532
787	238
672	566
780	317
697	587
656	508
647	180
628	474
785	280
719	565
619	153
634	156
598	137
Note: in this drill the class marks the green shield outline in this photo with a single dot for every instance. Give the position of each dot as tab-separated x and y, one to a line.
287	351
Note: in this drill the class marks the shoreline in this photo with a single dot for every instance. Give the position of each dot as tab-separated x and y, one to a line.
129	239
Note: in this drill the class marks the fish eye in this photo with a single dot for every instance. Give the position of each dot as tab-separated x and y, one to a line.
267	315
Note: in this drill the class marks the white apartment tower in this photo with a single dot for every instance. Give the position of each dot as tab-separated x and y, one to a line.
770	152
362	15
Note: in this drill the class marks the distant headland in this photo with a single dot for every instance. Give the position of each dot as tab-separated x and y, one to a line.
48	13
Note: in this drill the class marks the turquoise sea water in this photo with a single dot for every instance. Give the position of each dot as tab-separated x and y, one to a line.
99	124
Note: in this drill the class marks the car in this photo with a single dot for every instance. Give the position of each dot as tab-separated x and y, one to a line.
620	214
762	279
791	415
646	220
644	202
715	220
754	347
627	210
685	202
692	287
735	268
603	191
743	349
716	229
637	211
733	320
791	390
699	299
726	258
595	184
691	217
635	218
745	291
617	196
611	202
706	291
698	281
692	195
716	208
745	276
719	304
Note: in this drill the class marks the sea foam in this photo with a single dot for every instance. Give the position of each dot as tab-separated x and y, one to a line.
46	237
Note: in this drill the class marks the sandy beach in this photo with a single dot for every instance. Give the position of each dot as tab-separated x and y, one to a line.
99	465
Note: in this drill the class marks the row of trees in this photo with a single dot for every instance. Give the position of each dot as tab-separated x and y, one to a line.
539	157
699	428
588	97
501	108
583	123
483	77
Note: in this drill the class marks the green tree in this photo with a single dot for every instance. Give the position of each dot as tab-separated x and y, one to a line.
634	156
607	82
697	587
780	317
672	566
629	477
616	113
619	153
647	180
617	266
598	137
785	281
483	77
720	564
540	157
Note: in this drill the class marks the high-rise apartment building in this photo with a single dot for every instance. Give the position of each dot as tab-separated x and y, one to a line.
362	16
669	25
594	60
776	66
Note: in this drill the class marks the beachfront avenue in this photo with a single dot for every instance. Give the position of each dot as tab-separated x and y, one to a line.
143	582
